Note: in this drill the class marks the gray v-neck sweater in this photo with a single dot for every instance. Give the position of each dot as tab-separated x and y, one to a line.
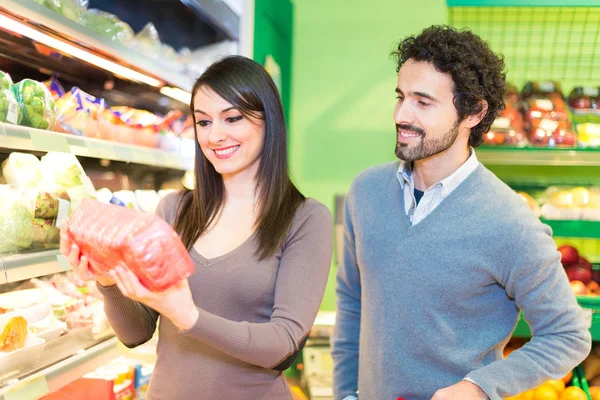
422	307
253	315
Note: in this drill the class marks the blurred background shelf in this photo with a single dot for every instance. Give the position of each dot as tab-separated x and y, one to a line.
36	140
523	3
18	267
574	229
539	156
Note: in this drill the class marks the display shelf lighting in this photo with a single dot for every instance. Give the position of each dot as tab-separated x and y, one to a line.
177	94
64	47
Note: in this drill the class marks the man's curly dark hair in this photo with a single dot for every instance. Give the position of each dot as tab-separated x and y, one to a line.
478	73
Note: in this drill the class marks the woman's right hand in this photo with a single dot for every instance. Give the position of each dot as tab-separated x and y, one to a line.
81	264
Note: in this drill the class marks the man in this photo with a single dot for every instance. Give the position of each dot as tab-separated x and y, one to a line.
440	255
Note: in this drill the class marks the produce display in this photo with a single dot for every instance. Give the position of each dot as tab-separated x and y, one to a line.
585	281
109	26
16	221
566	203
10	111
39	110
110	235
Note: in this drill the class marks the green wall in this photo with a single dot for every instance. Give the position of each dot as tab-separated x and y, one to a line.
343	96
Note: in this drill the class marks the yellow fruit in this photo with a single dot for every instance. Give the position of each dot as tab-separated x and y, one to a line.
545	392
528	395
573	393
562	199
581	197
557	385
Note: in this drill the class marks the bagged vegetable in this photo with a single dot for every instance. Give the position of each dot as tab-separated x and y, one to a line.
78	113
16	222
45	233
148	42
22	170
9	107
111	235
62	171
109	26
38	107
71	9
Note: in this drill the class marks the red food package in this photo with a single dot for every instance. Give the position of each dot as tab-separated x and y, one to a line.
110	235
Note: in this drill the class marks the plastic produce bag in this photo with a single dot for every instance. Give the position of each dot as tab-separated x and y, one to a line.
148	42
16	221
109	26
71	9
78	113
39	110
9	107
22	170
111	235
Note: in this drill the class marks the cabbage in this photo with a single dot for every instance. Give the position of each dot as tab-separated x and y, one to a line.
16	225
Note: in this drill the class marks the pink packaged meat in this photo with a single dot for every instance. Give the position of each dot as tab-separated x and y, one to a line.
110	235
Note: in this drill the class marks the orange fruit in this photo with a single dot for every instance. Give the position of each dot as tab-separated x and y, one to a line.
557	384
567	378
545	392
595	392
573	393
528	395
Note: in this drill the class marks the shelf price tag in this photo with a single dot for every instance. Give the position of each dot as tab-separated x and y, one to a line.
124	153
102	150
144	157
30	389
49	141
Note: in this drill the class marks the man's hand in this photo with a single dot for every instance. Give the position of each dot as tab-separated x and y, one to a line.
463	390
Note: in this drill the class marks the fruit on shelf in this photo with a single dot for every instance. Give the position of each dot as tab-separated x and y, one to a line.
531	203
569	255
584	99
579	288
14	335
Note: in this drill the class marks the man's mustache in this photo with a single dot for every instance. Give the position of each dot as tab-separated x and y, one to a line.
410	128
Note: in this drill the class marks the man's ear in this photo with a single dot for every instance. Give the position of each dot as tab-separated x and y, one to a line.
473	120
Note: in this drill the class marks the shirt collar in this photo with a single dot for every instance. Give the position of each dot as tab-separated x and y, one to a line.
448	184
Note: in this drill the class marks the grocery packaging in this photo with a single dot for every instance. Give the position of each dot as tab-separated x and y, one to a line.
14	335
63	172
16	221
589	134
10	111
571	203
125	198
147	41
585	100
38	106
110	235
109	26
22	170
55	88
143	373
71	9
147	200
78	113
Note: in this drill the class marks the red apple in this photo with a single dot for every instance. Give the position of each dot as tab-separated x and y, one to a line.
569	255
578	288
564	137
583	262
577	273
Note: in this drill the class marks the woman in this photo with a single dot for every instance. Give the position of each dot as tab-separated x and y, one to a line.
262	253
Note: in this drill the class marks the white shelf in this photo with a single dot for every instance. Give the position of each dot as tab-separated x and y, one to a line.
18	267
63	372
20	138
44	20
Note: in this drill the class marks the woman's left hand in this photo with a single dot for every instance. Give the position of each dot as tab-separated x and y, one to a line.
175	303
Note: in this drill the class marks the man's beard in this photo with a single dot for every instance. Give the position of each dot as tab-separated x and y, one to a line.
426	147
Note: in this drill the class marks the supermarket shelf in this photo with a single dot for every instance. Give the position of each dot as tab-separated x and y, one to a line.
574	229
62	373
219	14
28	139
47	21
539	156
19	267
523	3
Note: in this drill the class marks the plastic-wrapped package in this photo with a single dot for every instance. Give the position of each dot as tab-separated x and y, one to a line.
39	110
507	129
22	170
589	135
71	9
55	88
78	113
16	221
148	42
109	26
9	106
147	200
110	235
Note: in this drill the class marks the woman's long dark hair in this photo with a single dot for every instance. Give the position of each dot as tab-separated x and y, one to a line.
249	88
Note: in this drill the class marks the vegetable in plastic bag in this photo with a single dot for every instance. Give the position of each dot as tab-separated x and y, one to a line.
109	26
148	42
45	233
22	170
71	9
16	222
9	107
78	113
39	110
110	235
